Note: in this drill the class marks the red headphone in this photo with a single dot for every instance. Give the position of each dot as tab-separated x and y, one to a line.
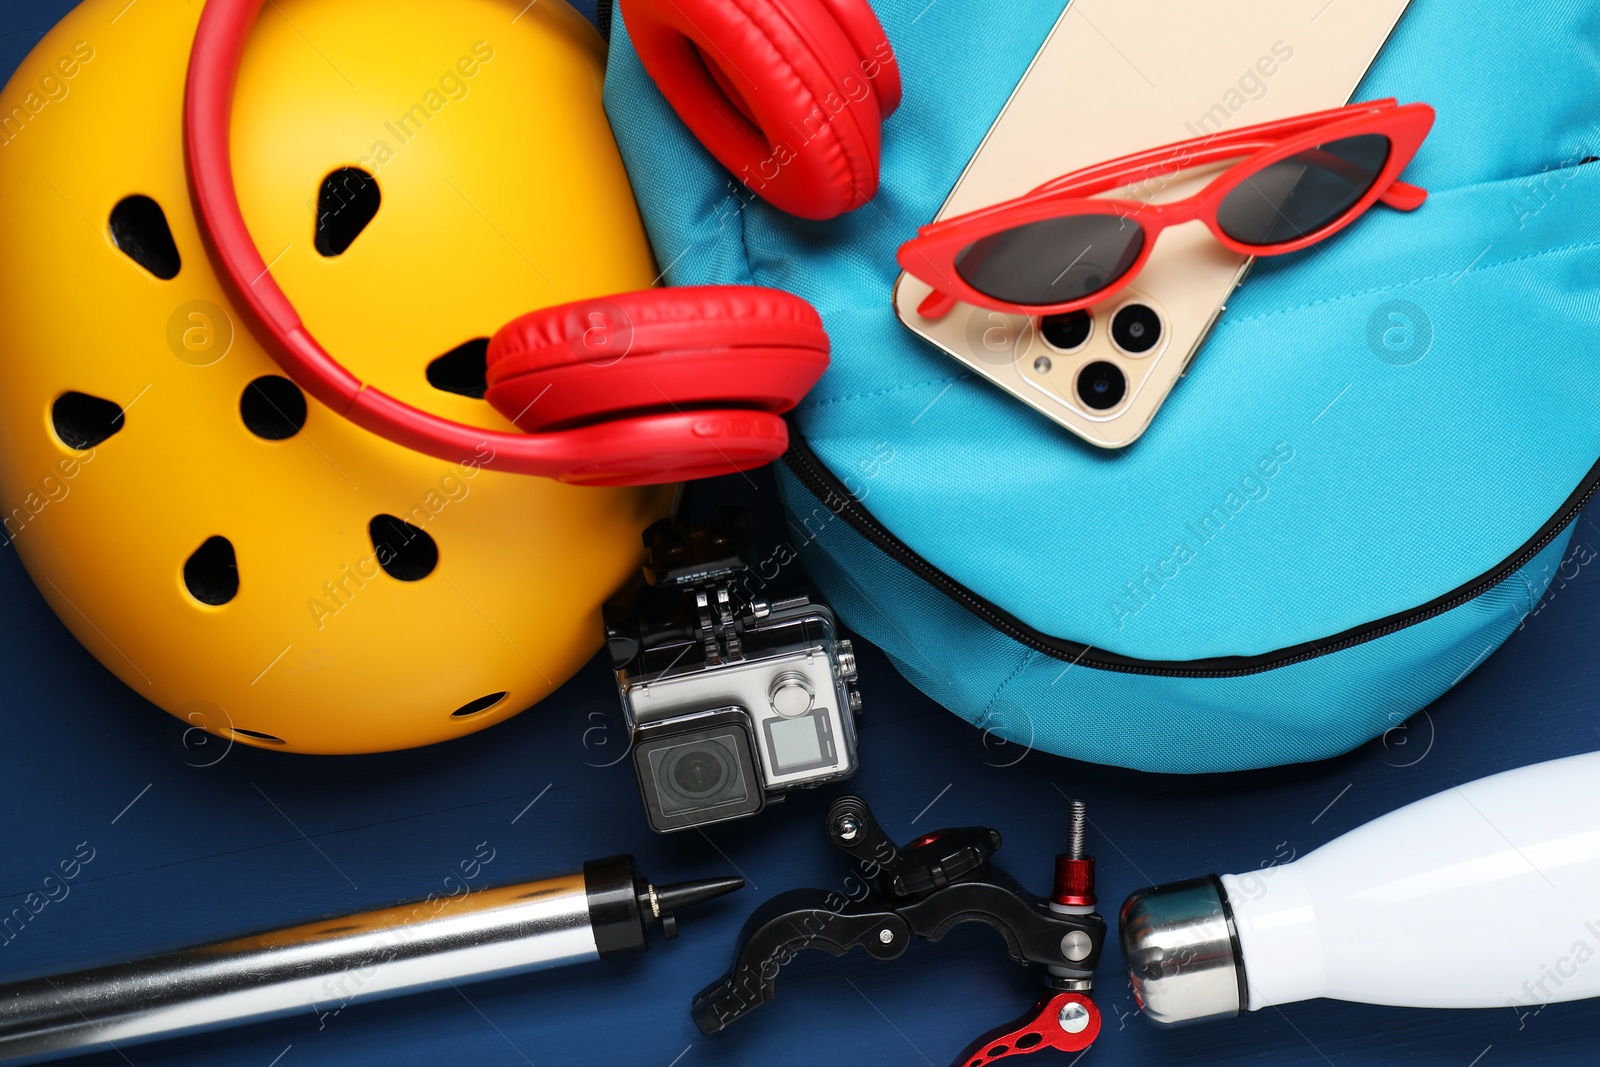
661	385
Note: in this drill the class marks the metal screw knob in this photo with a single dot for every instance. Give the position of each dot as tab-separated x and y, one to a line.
1074	1017
847	828
886	936
845	652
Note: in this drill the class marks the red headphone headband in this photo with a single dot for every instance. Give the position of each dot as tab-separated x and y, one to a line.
642	448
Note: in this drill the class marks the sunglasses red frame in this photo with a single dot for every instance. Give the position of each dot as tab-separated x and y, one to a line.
931	255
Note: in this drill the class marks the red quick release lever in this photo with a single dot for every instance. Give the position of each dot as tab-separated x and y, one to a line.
1067	1022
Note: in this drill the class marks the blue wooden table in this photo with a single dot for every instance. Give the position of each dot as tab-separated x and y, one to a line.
190	847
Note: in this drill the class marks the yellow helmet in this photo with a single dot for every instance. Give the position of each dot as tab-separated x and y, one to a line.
242	557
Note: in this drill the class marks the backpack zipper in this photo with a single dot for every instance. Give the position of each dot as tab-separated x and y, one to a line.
832	494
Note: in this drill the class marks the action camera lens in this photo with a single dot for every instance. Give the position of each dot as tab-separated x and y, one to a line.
694	776
1136	328
698	773
1102	385
1067	331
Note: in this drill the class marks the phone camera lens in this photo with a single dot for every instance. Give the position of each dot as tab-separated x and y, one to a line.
1136	328
1066	332
1102	385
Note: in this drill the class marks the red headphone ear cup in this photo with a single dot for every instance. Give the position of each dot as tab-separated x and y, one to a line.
812	79
875	58
657	350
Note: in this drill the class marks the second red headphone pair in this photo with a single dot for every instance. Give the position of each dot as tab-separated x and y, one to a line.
660	385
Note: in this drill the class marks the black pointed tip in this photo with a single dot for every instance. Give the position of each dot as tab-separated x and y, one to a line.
670	898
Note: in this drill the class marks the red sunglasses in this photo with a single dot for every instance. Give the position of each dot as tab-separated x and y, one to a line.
1057	249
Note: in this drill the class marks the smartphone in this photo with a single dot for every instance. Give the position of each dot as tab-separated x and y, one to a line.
1116	77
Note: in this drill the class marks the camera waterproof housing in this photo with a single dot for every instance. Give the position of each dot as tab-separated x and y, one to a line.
731	701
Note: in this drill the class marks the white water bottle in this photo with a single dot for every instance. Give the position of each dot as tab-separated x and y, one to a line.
1484	895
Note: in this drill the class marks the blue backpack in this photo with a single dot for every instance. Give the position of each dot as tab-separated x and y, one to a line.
1362	487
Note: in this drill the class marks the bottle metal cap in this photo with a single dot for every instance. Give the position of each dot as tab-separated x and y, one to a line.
1182	952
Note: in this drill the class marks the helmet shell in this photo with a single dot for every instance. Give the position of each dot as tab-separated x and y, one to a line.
500	190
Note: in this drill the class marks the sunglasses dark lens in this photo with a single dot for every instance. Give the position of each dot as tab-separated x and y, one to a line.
1052	261
1303	193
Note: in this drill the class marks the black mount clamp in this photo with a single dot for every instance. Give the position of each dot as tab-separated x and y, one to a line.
922	889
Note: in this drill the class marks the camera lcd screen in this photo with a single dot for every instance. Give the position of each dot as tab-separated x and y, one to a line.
796	744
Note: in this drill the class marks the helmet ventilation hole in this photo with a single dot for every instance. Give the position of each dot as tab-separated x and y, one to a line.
347	201
257	735
139	228
273	408
403	550
482	704
464	369
82	421
212	573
